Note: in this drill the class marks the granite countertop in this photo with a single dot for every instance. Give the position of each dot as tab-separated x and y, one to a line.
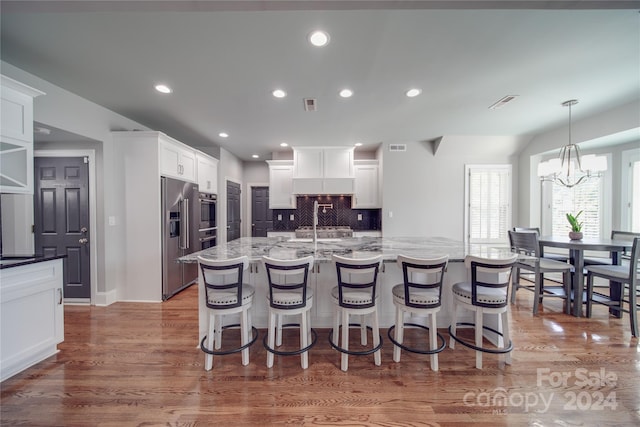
8	261
354	247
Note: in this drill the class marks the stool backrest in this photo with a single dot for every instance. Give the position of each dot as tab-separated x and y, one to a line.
422	273
360	275
634	263
525	242
290	276
223	278
493	273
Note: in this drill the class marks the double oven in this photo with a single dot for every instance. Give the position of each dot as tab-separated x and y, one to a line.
207	233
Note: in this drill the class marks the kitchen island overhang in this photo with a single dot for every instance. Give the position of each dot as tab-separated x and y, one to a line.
323	277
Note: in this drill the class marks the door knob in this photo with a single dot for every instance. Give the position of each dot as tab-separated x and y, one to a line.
83	230
83	241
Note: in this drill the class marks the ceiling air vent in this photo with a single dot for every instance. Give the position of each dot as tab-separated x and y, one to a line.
502	102
397	147
309	104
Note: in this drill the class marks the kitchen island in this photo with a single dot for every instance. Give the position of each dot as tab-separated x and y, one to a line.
323	276
31	310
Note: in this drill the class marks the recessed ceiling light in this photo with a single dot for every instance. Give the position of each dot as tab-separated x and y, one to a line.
223	135
319	38
255	156
413	92
162	88
279	93
358	144
346	93
284	144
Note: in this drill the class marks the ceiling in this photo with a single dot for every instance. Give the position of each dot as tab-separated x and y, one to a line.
223	59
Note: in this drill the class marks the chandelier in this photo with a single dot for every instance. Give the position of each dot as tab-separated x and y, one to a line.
571	168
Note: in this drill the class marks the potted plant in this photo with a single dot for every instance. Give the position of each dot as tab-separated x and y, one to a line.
576	226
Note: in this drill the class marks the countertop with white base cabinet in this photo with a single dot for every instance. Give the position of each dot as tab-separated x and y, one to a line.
31	310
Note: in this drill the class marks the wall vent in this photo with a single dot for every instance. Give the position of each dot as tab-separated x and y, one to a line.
397	147
310	104
502	102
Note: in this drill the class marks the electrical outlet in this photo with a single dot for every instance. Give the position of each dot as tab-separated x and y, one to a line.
292	217
390	214
359	217
112	221
279	217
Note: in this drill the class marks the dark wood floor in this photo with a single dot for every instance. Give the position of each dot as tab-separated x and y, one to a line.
137	364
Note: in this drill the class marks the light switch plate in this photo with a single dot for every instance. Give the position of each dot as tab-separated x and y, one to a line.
291	217
359	217
279	217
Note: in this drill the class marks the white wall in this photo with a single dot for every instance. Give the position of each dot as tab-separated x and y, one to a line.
624	118
64	110
229	169
425	192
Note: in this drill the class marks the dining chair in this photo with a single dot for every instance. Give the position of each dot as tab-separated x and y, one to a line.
420	295
526	243
289	295
484	294
563	257
225	294
627	274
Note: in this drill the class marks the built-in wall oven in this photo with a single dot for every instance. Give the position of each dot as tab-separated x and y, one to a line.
208	227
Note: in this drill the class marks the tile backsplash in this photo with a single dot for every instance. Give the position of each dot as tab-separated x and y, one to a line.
336	212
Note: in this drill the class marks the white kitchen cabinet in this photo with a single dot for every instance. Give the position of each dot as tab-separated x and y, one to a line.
323	170
32	314
177	160
367	188
16	136
207	173
281	185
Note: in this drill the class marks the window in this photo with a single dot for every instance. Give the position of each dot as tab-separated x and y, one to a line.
583	197
488	201
589	197
631	190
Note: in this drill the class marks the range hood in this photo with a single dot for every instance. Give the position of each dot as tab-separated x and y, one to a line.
330	186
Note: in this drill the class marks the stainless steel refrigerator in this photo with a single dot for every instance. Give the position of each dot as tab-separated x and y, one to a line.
179	234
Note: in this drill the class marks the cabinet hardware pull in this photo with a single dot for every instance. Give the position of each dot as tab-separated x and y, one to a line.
59	296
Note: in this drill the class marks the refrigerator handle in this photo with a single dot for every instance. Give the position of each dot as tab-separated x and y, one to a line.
184	216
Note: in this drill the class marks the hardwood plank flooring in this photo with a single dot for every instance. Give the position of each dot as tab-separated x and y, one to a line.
135	364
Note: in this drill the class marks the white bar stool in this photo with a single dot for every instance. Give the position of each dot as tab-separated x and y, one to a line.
357	294
289	295
226	294
419	295
486	293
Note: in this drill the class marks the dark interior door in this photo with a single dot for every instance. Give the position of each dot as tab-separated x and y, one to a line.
261	220
233	211
61	217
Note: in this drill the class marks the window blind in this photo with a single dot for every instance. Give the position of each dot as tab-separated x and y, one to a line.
489	193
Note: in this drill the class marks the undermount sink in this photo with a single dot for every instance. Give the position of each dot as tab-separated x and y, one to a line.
308	240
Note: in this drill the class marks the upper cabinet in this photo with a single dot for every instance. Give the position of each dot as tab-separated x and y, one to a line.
281	184
323	170
16	136
177	160
207	173
367	185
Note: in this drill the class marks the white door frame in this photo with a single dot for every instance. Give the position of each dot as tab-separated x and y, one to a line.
91	155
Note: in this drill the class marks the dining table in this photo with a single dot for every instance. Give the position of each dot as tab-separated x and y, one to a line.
577	249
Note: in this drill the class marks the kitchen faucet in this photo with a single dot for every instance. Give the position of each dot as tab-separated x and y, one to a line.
315	221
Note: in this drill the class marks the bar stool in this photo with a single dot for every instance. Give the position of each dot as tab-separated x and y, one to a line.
486	293
225	294
289	295
419	295
356	294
